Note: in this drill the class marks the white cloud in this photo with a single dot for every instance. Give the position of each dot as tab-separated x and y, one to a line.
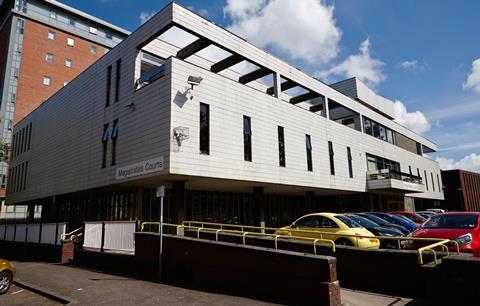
145	16
473	80
415	121
362	65
470	163
304	30
408	64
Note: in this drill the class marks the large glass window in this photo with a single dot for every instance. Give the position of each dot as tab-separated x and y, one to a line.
367	126
383	133
308	147
379	163
204	129
281	147
376	129
247	139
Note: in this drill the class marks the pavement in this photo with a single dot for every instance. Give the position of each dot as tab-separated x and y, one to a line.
56	284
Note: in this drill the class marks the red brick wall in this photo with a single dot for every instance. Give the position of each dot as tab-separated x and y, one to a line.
31	91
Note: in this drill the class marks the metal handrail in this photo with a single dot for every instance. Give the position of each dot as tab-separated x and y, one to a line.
68	237
435	241
243	233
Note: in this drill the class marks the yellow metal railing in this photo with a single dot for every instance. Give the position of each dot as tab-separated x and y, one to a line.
72	236
244	234
436	242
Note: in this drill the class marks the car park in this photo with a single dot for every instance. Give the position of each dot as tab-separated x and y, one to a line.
384	223
410	215
338	228
378	230
463	227
409	225
7	272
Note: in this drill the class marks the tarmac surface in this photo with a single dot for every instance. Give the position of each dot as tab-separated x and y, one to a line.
56	284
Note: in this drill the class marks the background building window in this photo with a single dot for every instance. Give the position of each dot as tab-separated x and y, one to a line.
93	30
281	146
47	80
51	35
247	139
204	128
308	147
65	83
53	15
49	57
68	63
71	21
331	154
93	49
70	42
426	179
349	157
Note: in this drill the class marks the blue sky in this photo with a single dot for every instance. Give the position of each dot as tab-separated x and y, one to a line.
417	52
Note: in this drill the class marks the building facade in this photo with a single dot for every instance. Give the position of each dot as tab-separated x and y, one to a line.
234	133
43	46
462	190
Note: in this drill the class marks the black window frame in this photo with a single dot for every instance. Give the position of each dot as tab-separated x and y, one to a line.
105	134
118	75
308	148
204	129
114	137
247	138
109	85
331	155
281	146
350	166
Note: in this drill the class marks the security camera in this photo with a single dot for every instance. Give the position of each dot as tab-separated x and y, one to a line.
194	80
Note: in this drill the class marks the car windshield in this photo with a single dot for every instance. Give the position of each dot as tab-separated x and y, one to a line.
452	221
401	219
362	221
378	220
348	222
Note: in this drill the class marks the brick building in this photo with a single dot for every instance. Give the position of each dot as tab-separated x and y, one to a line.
44	44
462	190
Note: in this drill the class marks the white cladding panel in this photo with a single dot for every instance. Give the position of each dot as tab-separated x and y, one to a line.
229	101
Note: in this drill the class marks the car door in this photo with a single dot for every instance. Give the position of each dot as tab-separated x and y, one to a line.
327	226
307	223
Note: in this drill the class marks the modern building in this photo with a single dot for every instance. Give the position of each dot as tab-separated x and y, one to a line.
235	134
462	190
44	44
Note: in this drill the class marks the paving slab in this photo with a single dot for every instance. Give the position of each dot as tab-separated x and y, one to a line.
86	287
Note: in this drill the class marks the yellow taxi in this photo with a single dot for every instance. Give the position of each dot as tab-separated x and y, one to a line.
339	228
7	272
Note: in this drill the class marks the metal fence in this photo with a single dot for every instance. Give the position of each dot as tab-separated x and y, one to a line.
45	233
110	235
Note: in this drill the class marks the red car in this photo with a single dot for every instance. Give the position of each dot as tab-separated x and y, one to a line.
410	215
464	227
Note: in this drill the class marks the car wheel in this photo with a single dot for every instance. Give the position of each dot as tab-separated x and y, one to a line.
345	242
5	281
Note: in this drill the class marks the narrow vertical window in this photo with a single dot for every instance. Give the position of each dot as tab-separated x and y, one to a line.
426	179
114	141
117	79
204	128
439	185
29	136
25	176
109	84
410	169
308	147
104	145
247	139
349	156
433	182
331	153
27	132
281	146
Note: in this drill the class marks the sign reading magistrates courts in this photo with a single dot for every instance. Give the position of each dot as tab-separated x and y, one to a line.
140	168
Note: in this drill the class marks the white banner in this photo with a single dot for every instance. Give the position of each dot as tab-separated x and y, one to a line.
140	168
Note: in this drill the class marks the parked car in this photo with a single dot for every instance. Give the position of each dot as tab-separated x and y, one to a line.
384	223
334	224
410	215
426	214
378	230
437	210
464	227
7	272
409	225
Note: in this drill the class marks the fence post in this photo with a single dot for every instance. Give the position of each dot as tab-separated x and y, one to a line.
103	237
